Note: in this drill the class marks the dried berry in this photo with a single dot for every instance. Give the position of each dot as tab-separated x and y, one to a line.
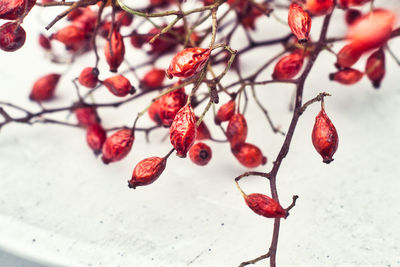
237	130
70	35
348	56
299	22
117	146
170	104
188	62
249	155
375	67
12	36
44	87
154	112
89	77
319	7
200	154
147	171
86	116
288	66
114	51
15	9
324	137
119	86
153	79
346	76
265	206
182	132
225	112
95	137
44	42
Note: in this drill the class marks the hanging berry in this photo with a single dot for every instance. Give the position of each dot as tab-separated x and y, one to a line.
346	76
114	51
119	86
348	56
170	104
249	155
153	79
200	154
375	67
44	87
154	112
86	116
69	35
12	36
237	129
182	132
188	62
299	22
44	42
147	171
117	146
89	77
288	66
320	7
225	112
95	137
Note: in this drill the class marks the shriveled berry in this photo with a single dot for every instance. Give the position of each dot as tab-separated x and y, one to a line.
119	86
15	9
237	130
288	66
117	146
182	132
324	137
114	51
147	171
346	76
348	55
44	87
12	36
200	154
299	22
154	112
249	155
70	35
95	137
319	7
188	62
375	67
86	116
225	112
153	79
265	206
44	42
170	104
89	77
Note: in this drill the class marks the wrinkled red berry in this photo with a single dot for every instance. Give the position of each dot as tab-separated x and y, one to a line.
324	137
70	35
299	22
265	206
117	146
114	51
44	87
170	104
200	154
14	9
346	76
182	132
86	116
225	112
147	171
249	155
89	77
95	137
119	86
153	79
124	18
375	67
162	44
154	112
237	130
12	36
288	66
188	62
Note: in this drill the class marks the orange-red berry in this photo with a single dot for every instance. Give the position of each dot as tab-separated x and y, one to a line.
200	154
188	62
44	87
117	146
249	155
147	171
299	22
324	137
119	86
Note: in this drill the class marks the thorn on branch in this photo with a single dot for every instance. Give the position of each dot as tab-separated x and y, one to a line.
294	199
254	261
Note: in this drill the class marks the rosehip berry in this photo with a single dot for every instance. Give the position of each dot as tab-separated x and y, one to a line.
319	7
349	3
299	22
249	155
147	171
188	62
170	104
74	13
248	20
15	9
182	132
202	131
375	67
237	130
265	206
324	137
86	116
225	112
44	87
114	51
95	137
137	40
348	56
153	79
154	112
86	21
346	76
119	86
44	42
70	35
288	67
200	154
163	44
12	36
124	18
89	77
352	15
117	146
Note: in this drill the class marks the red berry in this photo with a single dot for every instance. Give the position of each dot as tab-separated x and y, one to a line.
119	86
237	129
44	87
265	206
154	112
86	21
86	116
95	137
124	18
200	154
324	137
182	132
348	56
320	7
375	67
117	146
163	44
137	40
188	62
249	155
202	131
225	112
349	3
299	22
114	51
170	104
346	76
70	35
15	9
12	37
74	13
89	77
147	171
44	42
153	79
288	66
